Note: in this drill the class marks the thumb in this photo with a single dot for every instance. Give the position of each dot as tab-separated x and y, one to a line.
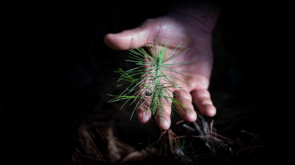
130	39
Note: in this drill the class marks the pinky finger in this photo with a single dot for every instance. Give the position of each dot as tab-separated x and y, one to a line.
203	101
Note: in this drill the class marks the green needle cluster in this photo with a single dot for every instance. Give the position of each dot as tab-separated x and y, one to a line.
149	85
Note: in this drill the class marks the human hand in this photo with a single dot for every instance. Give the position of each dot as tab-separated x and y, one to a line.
176	27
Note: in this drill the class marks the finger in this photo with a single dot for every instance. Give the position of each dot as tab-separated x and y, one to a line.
185	107
143	116
130	39
164	111
143	111
163	120
203	101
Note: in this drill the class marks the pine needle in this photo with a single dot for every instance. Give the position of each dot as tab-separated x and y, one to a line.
148	84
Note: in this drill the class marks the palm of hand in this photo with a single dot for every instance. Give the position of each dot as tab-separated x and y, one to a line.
176	28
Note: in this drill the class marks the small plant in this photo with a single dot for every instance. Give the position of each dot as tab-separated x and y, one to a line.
149	84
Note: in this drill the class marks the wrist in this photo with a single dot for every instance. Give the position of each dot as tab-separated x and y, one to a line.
205	13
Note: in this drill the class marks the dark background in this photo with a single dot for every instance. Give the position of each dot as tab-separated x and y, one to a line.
58	71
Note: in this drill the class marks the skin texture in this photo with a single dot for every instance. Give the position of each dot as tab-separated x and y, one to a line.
176	27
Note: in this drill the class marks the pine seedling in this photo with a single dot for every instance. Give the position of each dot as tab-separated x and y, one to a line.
149	85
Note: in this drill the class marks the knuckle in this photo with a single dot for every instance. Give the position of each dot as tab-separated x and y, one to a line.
203	93
148	21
